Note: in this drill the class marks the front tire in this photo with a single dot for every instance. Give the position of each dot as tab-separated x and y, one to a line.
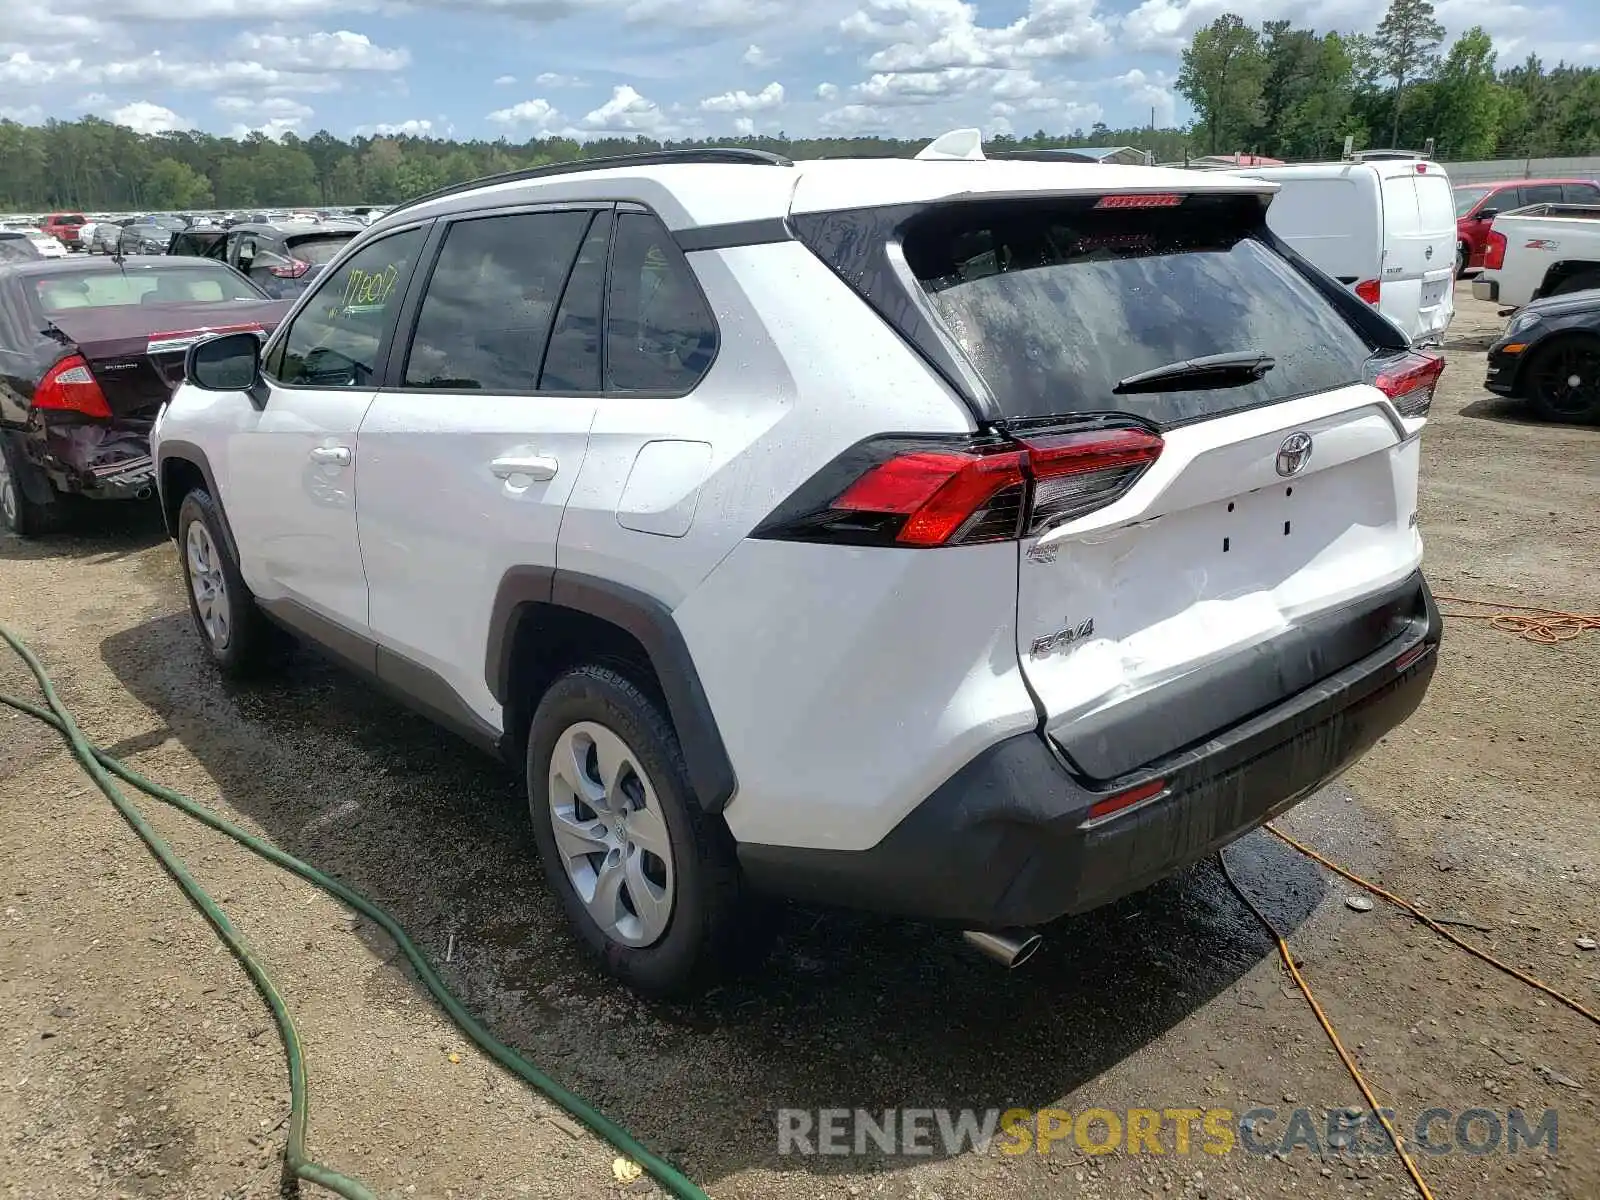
1563	379
231	627
22	515
648	880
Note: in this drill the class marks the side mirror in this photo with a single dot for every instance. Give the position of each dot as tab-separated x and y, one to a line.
1487	214
230	363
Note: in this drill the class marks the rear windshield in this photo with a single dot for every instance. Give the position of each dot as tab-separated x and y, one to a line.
1055	302
108	289
319	250
69	219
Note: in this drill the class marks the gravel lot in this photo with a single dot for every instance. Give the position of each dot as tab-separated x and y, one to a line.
138	1061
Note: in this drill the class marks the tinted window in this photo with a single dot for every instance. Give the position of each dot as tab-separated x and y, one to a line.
1506	199
335	339
115	289
659	333
486	316
1466	197
1054	303
572	363
318	250
1580	193
1541	193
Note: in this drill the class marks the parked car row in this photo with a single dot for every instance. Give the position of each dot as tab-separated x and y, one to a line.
282	258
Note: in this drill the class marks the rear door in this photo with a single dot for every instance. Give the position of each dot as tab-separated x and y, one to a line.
465	460
1333	220
1419	250
1436	231
1274	505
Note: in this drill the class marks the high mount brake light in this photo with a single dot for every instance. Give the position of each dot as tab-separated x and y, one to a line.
923	494
1141	200
1409	380
70	386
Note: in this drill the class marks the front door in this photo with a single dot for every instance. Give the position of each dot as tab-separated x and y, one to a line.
292	464
467	463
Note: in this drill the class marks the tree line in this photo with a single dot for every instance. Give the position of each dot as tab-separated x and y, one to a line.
1298	93
1276	90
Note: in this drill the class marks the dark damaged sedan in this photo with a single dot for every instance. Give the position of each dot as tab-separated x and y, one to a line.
89	351
1549	355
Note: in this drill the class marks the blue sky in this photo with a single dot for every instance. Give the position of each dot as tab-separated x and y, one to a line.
665	68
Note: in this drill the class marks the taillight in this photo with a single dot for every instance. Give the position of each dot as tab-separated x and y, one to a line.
922	493
1409	380
1494	251
70	386
294	270
1370	290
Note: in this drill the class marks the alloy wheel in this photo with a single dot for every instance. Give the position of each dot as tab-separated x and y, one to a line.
209	585
611	834
1567	379
8	492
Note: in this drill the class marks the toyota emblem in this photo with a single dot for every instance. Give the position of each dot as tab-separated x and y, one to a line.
1294	454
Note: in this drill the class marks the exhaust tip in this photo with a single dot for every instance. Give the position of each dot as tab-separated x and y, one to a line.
1010	948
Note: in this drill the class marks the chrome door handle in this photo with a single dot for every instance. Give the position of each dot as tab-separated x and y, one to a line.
337	455
534	466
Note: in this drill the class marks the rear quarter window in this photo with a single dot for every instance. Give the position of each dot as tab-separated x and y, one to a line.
1055	302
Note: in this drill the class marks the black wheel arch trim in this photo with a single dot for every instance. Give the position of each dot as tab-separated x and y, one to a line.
192	454
651	624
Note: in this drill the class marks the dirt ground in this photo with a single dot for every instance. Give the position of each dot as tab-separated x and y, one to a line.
137	1060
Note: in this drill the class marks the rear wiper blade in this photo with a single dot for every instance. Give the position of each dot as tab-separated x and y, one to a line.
1209	371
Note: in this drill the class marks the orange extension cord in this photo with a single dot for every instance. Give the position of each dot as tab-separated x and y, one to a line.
1395	1138
1547	626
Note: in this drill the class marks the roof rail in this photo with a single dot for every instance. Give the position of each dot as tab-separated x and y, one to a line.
736	155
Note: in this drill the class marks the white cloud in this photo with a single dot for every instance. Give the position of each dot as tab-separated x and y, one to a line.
928	34
29	114
555	80
854	119
22	71
142	116
539	115
1147	90
263	107
889	88
755	56
340	50
625	113
770	96
412	128
274	129
745	127
827	91
504	80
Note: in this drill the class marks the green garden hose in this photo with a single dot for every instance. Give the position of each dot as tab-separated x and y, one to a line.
101	767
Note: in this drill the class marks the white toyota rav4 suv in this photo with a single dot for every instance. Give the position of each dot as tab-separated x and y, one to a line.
977	541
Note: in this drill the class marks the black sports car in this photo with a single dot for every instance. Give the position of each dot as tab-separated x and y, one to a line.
1549	355
90	349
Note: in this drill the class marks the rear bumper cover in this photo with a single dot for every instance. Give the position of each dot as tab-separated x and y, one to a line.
1007	841
99	461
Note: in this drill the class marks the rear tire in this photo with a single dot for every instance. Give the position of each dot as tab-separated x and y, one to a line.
606	770
1463	256
236	636
1563	379
23	516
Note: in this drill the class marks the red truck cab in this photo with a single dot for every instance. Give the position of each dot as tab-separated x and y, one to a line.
1477	204
64	227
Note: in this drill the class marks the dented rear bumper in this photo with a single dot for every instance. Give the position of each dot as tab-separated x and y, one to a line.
1009	839
100	461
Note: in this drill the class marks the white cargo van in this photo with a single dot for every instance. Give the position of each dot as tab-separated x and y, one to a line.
1385	229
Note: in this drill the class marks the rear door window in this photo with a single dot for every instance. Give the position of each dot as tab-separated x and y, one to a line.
486	316
1580	193
1541	193
1055	302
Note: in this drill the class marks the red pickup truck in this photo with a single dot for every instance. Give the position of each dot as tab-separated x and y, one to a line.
64	227
1477	204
